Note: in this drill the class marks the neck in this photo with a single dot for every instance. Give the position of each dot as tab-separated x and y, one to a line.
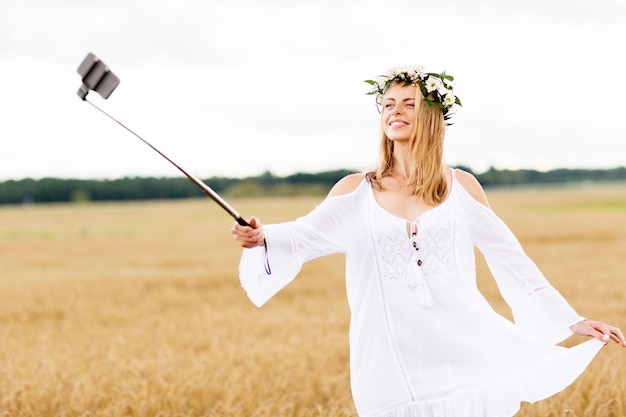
400	159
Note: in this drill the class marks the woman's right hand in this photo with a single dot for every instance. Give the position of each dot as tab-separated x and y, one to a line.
249	236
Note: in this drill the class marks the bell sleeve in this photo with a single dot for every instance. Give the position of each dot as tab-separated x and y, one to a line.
263	271
536	305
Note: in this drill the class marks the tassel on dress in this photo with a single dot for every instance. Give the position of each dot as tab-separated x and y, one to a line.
416	280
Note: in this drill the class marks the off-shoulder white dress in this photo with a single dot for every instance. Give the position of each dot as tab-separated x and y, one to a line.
424	342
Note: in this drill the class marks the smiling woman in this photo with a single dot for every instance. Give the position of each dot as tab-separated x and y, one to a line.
413	103
424	342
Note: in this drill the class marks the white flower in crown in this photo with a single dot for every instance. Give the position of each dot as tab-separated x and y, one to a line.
449	100
433	83
381	80
403	72
417	72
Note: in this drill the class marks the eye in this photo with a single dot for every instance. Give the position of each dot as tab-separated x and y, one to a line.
388	105
412	105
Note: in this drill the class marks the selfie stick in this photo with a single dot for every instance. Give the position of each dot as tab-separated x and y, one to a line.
98	77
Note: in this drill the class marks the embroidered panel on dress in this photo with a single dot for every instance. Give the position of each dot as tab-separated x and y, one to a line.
434	239
391	243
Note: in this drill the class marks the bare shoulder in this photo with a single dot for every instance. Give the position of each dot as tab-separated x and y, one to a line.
346	185
472	186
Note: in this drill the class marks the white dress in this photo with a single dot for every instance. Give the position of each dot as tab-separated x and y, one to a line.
424	342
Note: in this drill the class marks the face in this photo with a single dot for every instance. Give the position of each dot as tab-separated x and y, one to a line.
398	112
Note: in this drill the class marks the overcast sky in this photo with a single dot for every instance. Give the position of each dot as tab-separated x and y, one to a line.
236	88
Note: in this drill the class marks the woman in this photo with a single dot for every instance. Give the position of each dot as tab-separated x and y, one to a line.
423	340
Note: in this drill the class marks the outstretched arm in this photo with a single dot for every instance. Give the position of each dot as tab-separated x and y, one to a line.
593	328
250	237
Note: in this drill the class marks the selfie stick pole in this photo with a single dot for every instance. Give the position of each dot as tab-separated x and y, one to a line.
97	77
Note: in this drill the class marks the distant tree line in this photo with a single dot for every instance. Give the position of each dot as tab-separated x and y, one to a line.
493	177
52	190
49	190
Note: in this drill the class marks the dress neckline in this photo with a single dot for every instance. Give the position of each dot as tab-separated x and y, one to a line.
416	219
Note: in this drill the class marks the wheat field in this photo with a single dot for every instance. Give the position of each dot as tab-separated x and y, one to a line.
135	309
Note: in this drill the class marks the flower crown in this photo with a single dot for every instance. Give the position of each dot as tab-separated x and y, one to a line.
438	86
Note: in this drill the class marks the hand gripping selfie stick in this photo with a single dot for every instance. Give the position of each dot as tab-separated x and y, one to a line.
98	77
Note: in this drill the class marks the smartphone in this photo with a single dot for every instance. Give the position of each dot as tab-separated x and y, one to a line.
97	77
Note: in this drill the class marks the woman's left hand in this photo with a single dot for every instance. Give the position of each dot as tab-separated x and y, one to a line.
600	331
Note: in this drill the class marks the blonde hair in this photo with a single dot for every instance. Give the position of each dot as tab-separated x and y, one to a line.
425	171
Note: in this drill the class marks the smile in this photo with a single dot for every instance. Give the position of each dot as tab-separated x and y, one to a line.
398	123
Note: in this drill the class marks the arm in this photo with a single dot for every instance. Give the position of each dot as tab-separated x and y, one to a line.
284	247
536	305
250	237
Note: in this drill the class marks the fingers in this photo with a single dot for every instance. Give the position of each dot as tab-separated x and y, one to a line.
600	331
591	328
254	222
611	333
617	336
249	237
